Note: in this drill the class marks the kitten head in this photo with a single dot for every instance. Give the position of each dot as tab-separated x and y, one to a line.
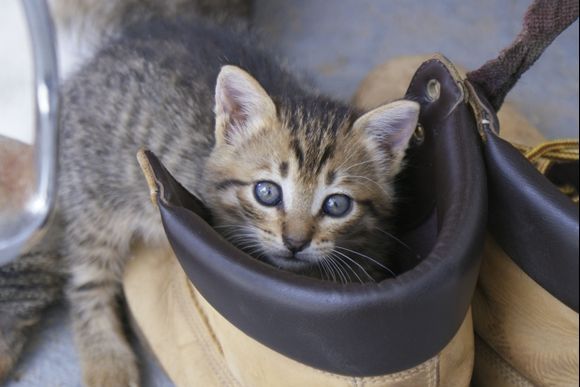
301	182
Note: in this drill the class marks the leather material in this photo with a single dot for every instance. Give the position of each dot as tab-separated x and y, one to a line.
389	81
357	329
527	336
182	329
491	370
532	220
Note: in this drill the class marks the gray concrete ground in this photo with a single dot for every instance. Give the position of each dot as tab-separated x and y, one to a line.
337	42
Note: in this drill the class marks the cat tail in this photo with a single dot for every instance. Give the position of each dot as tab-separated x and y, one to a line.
28	286
83	25
108	15
222	11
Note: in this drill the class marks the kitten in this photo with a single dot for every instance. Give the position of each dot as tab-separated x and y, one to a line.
300	181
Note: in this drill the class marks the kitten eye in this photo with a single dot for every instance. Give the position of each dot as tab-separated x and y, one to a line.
337	205
268	193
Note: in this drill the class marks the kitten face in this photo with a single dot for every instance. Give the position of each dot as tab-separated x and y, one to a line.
303	185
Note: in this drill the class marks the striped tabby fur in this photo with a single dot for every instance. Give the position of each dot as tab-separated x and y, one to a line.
183	89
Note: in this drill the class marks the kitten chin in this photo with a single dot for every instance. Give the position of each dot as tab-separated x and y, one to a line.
290	263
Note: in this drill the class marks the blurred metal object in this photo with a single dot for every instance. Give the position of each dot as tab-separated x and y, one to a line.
31	222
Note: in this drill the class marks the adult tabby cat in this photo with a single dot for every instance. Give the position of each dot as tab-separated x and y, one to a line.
299	180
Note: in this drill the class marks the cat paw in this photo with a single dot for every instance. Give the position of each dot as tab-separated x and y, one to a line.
111	370
6	364
6	360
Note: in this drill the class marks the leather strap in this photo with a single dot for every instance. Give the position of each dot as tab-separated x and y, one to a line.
543	22
532	220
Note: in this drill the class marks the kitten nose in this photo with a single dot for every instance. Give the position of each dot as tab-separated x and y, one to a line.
295	245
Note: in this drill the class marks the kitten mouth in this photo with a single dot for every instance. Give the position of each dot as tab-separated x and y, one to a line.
288	262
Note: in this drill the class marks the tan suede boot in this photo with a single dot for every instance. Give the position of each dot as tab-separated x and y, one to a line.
207	328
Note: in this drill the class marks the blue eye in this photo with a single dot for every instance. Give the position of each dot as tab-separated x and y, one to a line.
337	205
267	193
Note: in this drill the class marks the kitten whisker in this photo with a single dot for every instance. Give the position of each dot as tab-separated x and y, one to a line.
231	225
248	244
319	269
345	161
256	252
238	240
329	268
339	270
346	273
369	258
324	265
346	263
242	240
244	231
373	160
228	234
418	256
236	231
371	180
356	263
241	231
332	267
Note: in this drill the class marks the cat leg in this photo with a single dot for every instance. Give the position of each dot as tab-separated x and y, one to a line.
107	359
28	286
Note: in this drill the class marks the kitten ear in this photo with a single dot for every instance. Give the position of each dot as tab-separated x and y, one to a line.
389	129
242	106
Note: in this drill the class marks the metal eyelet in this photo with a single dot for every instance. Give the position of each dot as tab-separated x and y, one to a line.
419	135
433	90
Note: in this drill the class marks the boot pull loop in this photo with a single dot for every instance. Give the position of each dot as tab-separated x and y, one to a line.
543	22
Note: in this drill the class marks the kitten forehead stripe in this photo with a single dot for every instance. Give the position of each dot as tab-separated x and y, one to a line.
330	177
284	169
325	156
298	152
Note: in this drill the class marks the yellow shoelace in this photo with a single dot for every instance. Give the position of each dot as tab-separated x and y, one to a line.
547	153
